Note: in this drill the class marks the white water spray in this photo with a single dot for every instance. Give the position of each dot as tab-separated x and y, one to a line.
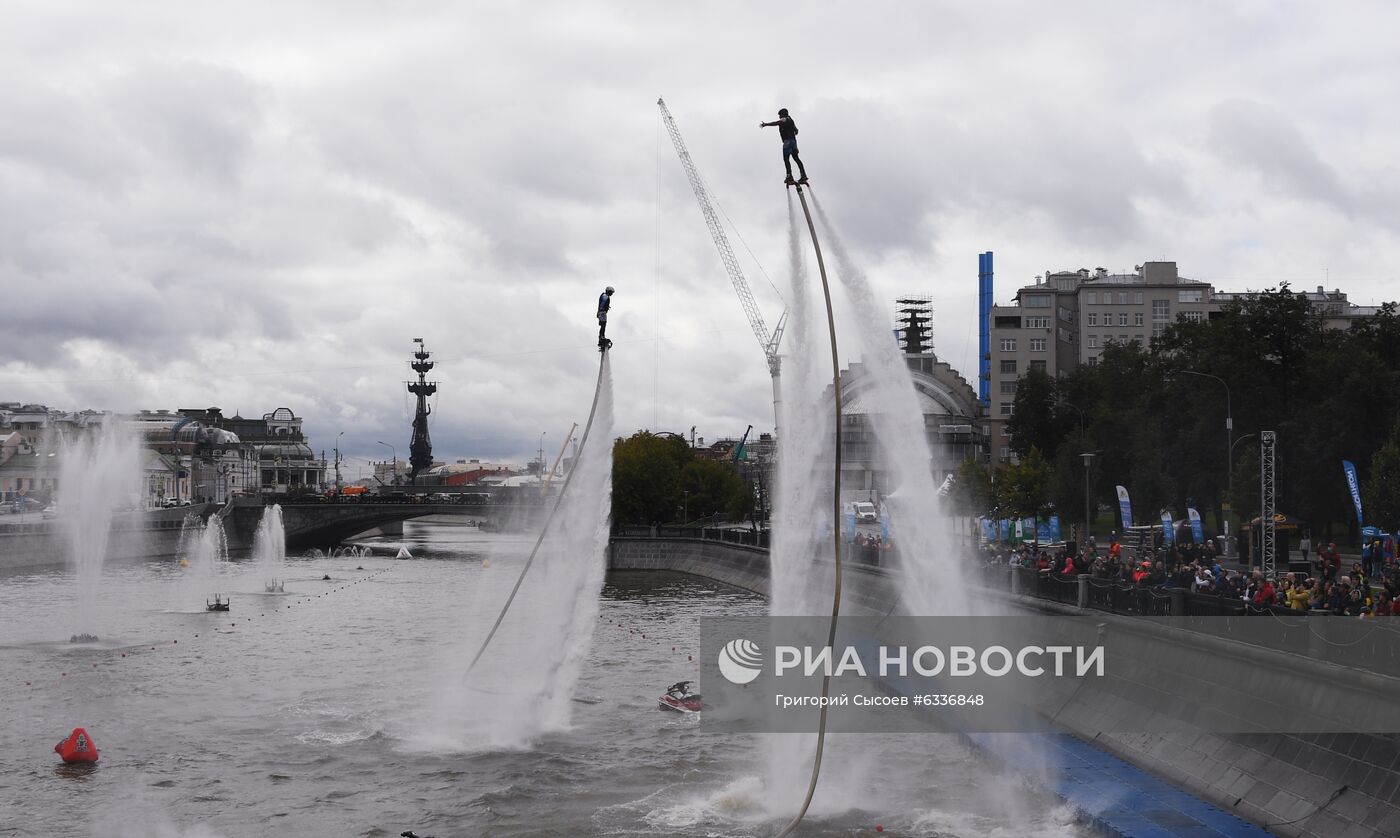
931	568
97	475
270	546
523	685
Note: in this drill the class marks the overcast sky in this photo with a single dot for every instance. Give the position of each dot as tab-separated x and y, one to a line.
259	205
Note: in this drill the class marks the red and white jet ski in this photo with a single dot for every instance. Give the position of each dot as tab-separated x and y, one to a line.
678	697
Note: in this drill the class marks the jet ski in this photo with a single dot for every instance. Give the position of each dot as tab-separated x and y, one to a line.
678	697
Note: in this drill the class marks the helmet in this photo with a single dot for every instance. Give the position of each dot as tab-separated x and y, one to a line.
782	112
608	290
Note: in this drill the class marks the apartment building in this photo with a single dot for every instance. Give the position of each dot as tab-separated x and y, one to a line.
1067	318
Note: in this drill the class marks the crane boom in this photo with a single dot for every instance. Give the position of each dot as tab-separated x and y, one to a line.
767	340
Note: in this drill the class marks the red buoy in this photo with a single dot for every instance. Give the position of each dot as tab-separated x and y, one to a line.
78	747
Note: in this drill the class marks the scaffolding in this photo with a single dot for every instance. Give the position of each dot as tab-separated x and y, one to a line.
1267	503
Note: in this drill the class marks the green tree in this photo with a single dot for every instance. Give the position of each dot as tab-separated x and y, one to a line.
1033	422
971	493
1022	489
1381	489
710	488
646	477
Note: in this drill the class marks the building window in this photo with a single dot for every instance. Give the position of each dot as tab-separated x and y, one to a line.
1037	322
1193	316
1137	318
1038	365
1006	408
1137	298
1094	318
1122	318
1093	360
1036	301
1123	339
1008	367
1122	298
1093	341
1196	295
1008	344
1005	452
1037	344
1008	387
1091	298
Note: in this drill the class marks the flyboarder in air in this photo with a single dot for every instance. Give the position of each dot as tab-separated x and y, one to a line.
787	132
604	303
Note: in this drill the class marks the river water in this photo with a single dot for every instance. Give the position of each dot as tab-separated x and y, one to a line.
330	710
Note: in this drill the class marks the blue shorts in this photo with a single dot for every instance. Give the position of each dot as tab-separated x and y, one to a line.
790	148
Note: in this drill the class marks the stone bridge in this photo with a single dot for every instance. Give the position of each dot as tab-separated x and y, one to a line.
320	524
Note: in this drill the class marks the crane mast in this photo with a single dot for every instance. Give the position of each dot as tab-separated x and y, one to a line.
767	340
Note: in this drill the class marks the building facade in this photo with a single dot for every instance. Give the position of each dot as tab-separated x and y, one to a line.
1067	318
952	424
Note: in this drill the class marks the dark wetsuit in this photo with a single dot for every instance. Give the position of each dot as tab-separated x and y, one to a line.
604	303
787	131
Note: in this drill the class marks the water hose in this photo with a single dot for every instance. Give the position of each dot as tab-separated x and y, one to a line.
559	499
835	518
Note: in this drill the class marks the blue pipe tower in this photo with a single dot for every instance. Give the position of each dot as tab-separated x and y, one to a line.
984	328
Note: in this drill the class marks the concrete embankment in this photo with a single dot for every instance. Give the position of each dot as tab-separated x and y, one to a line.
1305	784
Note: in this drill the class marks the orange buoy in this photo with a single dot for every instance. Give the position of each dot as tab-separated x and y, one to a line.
78	747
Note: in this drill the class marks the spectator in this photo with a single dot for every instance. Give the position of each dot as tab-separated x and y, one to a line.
1263	590
1299	596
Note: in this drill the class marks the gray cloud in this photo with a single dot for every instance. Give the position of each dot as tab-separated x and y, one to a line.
261	206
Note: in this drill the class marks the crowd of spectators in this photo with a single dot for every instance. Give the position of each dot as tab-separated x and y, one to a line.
1197	568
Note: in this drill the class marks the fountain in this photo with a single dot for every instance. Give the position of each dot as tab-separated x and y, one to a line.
269	547
204	549
97	474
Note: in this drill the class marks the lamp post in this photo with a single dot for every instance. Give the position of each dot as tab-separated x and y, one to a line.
541	453
1088	458
394	451
338	484
1229	435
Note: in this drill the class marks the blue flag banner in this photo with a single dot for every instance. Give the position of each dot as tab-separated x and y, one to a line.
1168	531
1125	506
1004	526
1355	488
1198	532
989	529
1047	531
848	525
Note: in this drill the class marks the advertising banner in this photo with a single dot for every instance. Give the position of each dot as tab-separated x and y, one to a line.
1355	487
1047	530
1198	532
1168	531
1125	507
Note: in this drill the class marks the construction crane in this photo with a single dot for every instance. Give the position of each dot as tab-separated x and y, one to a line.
768	341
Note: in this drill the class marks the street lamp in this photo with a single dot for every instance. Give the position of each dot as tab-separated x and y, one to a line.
1229	436
394	451
541	472
338	484
1088	458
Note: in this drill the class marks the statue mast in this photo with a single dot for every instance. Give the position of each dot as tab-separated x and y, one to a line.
420	455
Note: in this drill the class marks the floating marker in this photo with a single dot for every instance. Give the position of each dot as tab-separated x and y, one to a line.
77	747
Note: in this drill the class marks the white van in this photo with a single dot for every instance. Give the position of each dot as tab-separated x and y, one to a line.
865	511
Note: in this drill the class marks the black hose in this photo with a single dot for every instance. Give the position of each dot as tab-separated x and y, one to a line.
835	519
